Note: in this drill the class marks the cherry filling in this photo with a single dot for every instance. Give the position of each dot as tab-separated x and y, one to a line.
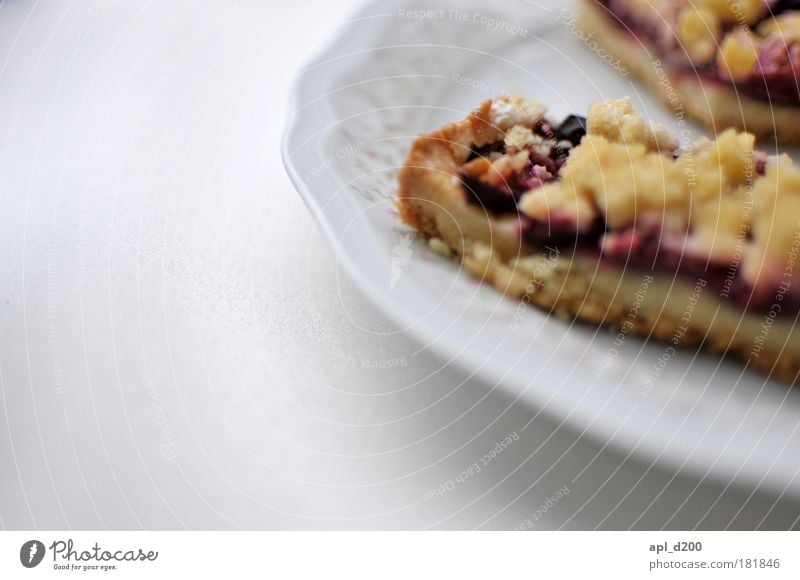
774	78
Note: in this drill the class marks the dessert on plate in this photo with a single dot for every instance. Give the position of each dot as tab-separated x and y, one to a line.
725	63
604	219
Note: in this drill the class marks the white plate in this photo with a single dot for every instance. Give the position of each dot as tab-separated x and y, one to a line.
392	74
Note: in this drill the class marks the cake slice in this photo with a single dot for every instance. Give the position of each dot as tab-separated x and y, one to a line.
724	63
605	220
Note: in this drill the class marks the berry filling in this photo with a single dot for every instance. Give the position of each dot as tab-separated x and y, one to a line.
491	198
547	151
775	76
650	249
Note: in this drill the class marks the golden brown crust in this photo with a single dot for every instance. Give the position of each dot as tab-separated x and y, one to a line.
430	196
713	104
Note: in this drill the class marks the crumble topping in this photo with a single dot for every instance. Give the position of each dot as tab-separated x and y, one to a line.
689	28
617	120
737	55
784	26
699	30
776	235
519	137
510	111
734	11
627	179
621	171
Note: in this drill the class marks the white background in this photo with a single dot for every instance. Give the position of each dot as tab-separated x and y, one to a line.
178	349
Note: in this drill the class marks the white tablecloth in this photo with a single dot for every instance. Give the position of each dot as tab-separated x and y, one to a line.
178	349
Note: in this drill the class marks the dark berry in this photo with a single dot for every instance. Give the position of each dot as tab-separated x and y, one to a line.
572	129
784	5
488	197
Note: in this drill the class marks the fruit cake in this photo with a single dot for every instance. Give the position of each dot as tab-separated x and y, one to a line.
605	219
724	63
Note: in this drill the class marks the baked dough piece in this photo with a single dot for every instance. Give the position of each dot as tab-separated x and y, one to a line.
725	64
604	219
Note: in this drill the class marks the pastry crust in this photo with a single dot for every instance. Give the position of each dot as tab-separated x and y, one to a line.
712	103
431	198
566	282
